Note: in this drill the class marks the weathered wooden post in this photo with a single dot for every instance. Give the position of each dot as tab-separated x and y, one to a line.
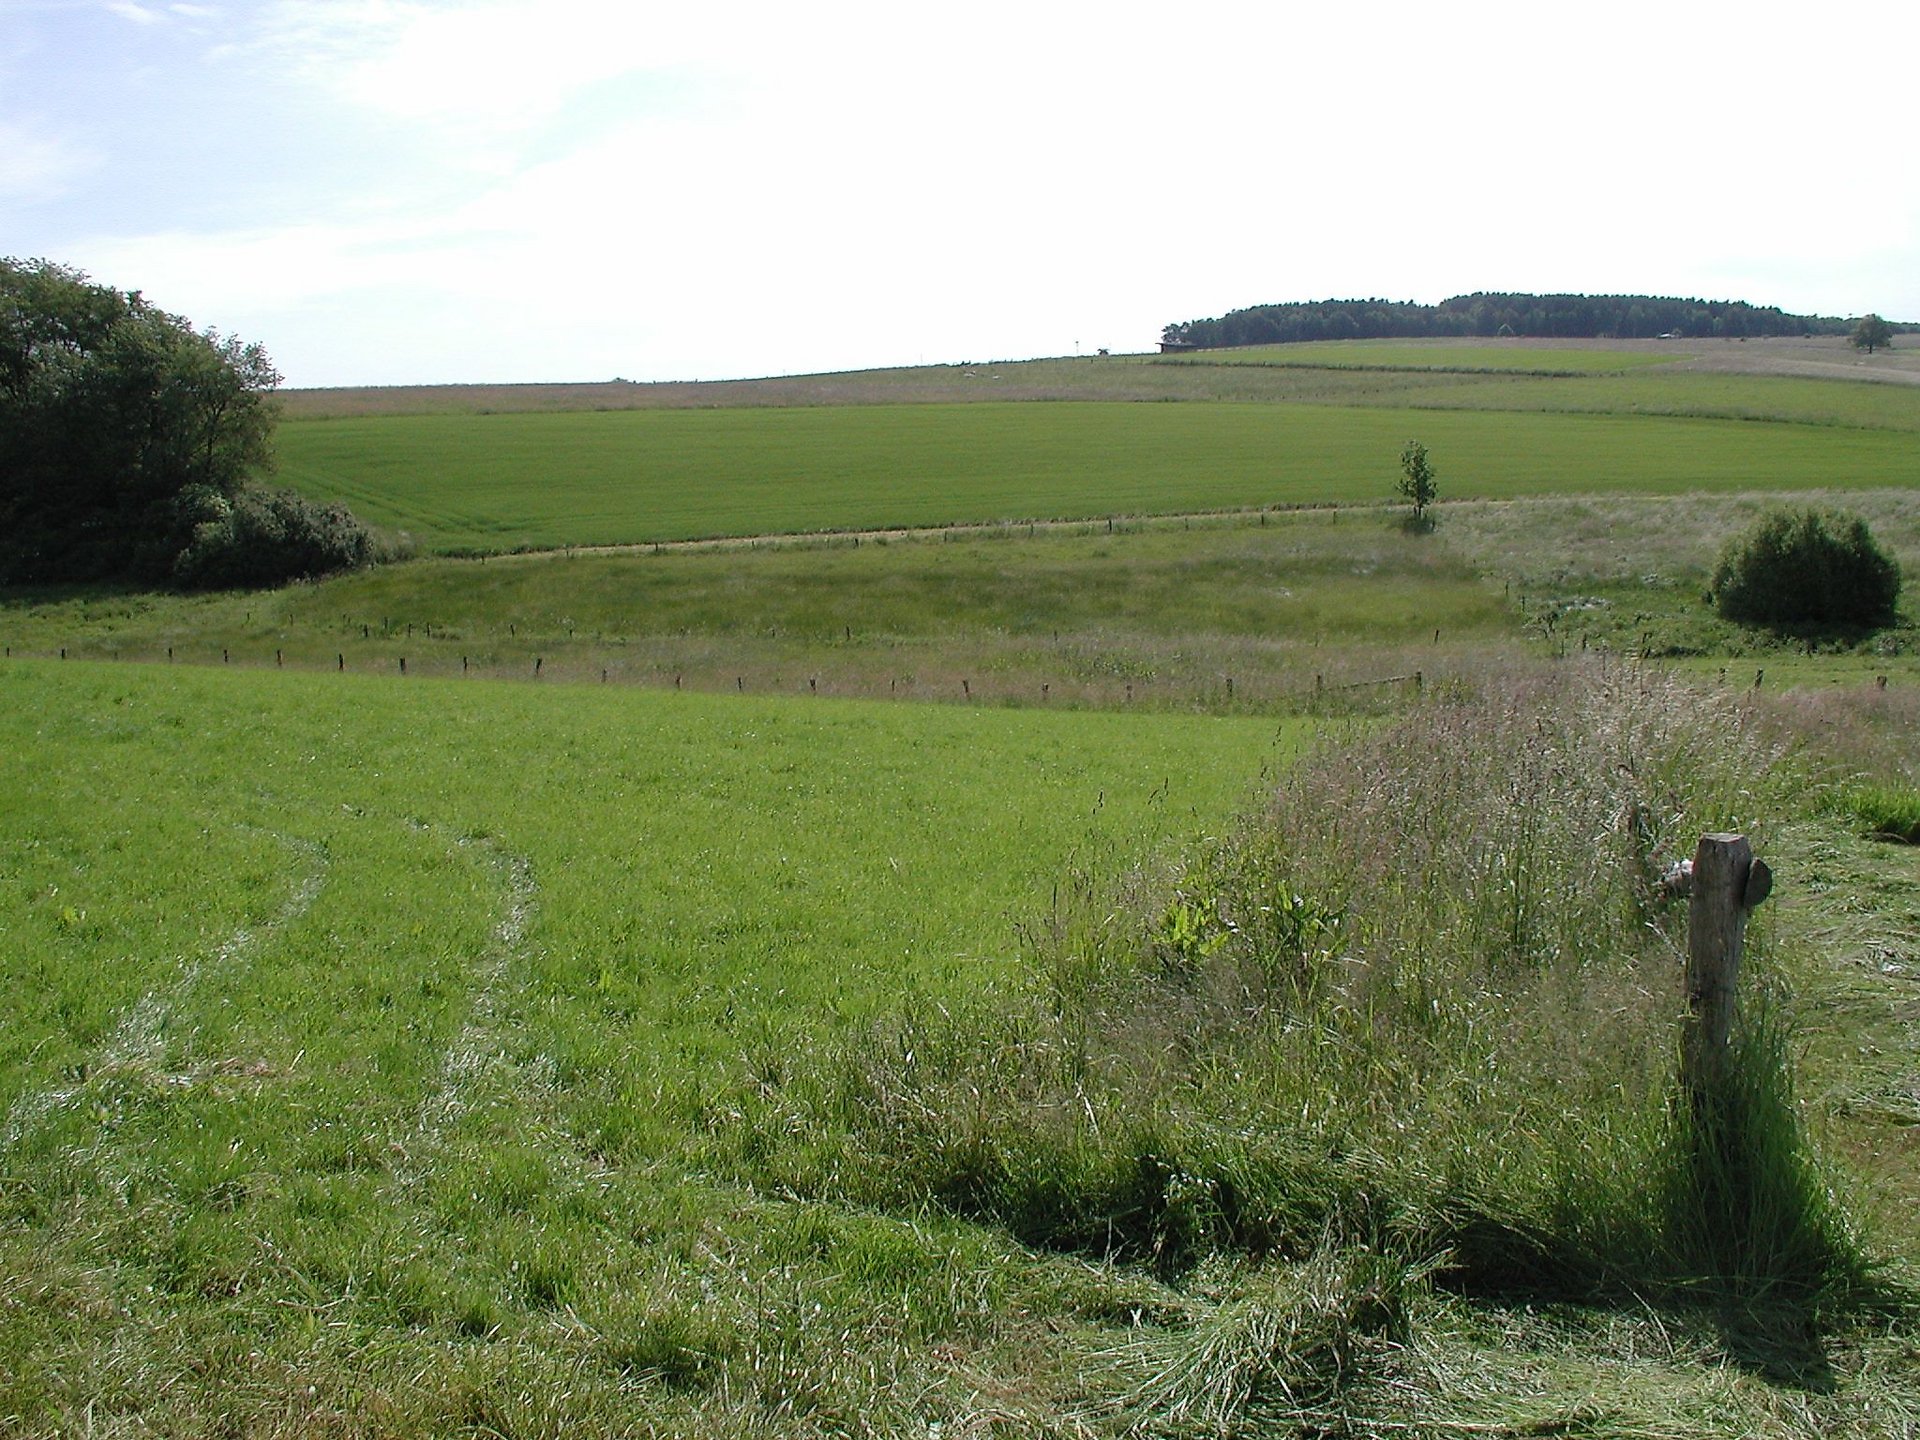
1725	882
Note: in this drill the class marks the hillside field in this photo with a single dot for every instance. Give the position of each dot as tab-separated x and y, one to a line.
568	984
1533	357
509	468
506	482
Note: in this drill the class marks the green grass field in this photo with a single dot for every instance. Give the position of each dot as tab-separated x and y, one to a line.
392	1059
503	482
1284	613
1225	616
695	1037
356	1027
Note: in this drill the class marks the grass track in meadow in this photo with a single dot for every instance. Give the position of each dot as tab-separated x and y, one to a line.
502	482
360	1031
853	849
382	1006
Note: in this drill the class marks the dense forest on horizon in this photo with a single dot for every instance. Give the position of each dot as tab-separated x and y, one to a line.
1565	317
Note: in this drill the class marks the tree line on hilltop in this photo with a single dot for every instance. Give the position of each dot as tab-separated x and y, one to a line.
1562	317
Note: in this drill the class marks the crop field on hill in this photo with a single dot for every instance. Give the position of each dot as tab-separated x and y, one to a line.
1530	357
1785	399
1157	377
505	482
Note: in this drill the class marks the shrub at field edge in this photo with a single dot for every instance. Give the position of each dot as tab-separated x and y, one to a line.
1807	567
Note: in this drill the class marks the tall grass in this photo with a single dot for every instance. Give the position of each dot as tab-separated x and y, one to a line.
1424	1004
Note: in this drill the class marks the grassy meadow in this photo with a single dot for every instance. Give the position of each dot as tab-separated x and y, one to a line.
398	1059
579	992
1304	612
1227	616
354	1019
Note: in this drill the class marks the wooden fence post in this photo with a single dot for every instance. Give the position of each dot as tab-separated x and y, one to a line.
1725	883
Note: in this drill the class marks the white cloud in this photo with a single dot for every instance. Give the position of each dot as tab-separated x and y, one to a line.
36	166
139	14
553	188
482	71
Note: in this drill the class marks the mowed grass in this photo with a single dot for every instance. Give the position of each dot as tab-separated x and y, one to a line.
506	482
358	1030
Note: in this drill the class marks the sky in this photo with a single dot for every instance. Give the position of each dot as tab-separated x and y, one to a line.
425	191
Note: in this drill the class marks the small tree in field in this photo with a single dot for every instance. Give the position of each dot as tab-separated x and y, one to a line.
1872	333
1417	481
1807	567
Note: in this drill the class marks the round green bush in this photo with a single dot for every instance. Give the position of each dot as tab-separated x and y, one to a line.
264	536
1805	567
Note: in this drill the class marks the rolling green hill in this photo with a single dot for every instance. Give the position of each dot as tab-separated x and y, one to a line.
693	1037
519	481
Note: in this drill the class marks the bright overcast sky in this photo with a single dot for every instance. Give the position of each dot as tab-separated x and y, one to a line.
398	191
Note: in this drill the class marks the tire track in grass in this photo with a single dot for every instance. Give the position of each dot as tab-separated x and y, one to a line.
476	1070
138	1041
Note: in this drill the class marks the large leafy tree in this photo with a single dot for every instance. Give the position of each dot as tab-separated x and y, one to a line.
1871	334
119	425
